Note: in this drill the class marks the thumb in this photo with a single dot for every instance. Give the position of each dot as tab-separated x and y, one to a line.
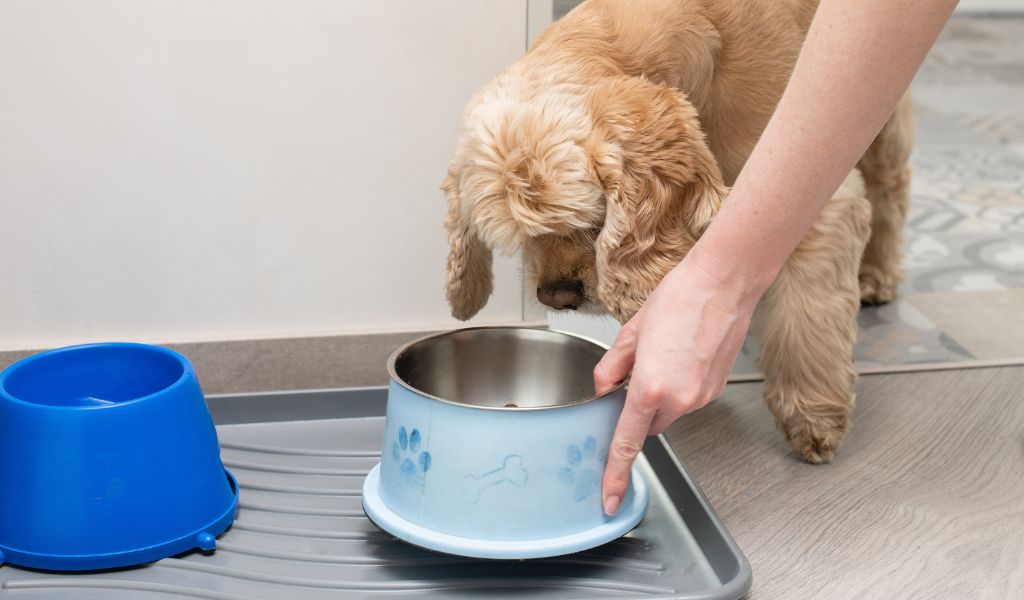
618	360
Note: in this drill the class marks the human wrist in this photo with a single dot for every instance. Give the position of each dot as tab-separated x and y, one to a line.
749	240
731	271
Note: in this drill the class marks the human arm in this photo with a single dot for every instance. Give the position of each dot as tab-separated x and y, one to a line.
857	61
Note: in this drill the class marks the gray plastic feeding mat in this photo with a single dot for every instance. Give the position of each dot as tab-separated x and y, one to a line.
300	459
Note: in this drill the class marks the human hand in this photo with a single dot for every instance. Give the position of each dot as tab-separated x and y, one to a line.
680	346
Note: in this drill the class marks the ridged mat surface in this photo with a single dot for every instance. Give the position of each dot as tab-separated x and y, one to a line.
301	534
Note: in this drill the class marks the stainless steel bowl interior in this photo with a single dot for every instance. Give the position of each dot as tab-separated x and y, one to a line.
500	367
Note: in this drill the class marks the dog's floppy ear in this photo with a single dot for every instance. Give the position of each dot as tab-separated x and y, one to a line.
662	187
470	280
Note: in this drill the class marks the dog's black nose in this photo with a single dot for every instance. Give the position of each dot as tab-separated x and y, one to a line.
561	294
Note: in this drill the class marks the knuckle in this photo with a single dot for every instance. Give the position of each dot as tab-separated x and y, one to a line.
650	393
626	450
710	395
616	486
645	406
685	403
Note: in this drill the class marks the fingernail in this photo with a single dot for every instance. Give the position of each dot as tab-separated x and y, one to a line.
611	504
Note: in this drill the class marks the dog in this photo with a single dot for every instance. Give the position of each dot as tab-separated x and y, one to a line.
606	150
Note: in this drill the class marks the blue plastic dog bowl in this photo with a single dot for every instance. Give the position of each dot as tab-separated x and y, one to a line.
108	458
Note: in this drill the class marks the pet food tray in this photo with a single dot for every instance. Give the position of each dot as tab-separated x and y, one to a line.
300	459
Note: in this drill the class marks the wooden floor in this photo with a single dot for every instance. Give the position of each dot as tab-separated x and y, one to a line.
924	500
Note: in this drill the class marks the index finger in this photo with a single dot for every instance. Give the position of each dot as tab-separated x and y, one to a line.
630	434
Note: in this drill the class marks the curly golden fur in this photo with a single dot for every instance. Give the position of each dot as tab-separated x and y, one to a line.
607	149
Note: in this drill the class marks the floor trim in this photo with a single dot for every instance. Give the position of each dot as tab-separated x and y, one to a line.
910	368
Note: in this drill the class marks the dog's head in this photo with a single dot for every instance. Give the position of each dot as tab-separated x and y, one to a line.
603	187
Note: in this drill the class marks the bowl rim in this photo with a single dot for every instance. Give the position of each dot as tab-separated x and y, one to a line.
187	372
393	375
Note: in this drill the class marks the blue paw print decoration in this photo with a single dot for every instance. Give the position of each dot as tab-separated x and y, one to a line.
584	468
412	464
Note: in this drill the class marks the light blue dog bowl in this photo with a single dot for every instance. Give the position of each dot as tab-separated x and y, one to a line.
495	446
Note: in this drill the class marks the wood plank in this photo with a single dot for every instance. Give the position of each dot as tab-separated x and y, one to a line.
924	500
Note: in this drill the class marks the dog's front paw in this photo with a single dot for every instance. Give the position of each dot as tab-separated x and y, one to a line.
877	287
816	438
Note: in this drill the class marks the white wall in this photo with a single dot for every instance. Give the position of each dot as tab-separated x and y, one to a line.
182	170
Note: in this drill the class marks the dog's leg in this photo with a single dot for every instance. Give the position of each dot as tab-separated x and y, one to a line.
886	171
807	324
